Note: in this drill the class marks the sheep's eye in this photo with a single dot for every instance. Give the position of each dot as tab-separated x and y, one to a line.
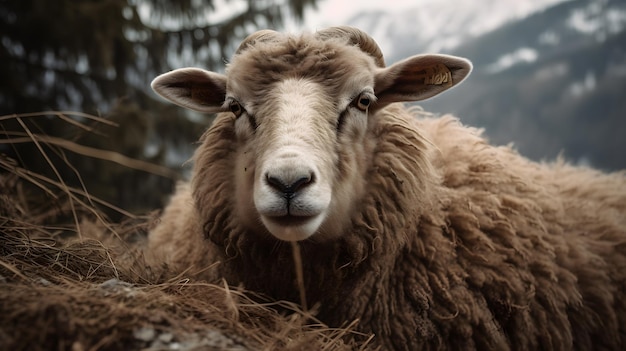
362	102
235	108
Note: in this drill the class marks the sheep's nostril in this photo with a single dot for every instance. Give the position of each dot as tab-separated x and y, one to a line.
289	186
301	183
276	183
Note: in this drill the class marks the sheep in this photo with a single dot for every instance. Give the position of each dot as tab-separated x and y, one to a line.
411	224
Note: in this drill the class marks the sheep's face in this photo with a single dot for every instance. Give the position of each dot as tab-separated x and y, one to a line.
292	184
301	109
300	161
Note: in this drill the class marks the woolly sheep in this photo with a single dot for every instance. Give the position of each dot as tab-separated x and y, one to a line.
415	226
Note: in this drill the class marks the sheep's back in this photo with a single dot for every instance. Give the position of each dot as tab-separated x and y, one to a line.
544	242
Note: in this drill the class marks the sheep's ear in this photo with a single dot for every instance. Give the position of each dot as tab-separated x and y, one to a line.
193	88
419	77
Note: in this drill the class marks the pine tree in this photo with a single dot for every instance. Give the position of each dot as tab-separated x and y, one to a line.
86	53
98	57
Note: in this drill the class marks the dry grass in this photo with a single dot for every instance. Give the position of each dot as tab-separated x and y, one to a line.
82	283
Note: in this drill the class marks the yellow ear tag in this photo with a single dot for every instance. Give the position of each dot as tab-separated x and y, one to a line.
438	74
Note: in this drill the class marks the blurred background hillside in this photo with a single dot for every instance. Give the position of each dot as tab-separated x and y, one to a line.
550	76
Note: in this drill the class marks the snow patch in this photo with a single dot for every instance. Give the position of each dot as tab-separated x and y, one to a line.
549	37
552	71
521	55
586	85
598	20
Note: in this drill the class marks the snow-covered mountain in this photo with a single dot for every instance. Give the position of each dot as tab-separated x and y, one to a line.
435	26
549	75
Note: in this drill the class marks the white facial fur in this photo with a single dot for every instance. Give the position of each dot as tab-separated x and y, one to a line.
293	153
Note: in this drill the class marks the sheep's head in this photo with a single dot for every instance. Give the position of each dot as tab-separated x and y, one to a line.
301	107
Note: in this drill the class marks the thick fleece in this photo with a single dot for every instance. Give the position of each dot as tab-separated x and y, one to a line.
456	244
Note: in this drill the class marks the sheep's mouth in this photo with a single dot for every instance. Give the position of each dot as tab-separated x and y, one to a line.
291	221
292	228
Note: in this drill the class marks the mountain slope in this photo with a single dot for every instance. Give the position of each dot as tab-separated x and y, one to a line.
549	75
553	83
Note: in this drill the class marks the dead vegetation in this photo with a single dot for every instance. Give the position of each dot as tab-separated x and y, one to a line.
72	280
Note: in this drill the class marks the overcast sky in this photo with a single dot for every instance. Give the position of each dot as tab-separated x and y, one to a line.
337	12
